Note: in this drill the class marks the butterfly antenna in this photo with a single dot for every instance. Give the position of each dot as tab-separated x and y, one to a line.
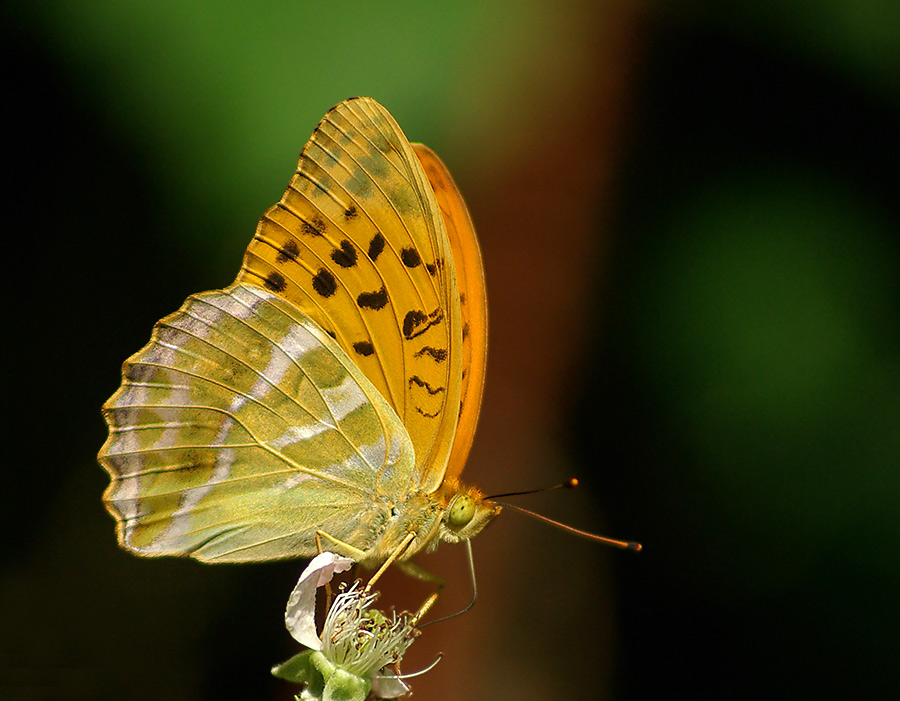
474	590
568	484
624	544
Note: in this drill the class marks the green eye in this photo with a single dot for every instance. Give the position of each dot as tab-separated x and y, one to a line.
461	511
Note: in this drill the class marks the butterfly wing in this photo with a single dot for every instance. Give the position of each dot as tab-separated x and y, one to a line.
241	429
473	304
358	244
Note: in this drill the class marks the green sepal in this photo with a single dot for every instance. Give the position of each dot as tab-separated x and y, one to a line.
322	679
299	669
340	685
345	686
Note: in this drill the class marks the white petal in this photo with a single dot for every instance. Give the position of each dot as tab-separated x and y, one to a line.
389	685
300	615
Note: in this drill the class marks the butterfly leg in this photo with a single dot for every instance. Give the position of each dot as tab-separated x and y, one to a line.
418	572
343	549
398	551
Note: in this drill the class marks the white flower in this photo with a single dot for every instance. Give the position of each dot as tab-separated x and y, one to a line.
300	615
357	642
362	640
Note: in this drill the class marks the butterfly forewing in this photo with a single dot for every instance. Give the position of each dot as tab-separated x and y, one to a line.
236	402
359	245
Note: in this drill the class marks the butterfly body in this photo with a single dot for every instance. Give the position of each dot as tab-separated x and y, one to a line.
332	391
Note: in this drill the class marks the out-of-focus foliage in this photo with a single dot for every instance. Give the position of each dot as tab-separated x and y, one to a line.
752	357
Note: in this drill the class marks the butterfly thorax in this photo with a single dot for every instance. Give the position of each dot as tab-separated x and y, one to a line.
417	513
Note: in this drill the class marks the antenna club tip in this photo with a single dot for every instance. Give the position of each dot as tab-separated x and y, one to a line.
572	483
636	547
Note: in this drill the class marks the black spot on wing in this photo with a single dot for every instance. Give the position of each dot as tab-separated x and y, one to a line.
416	380
350	212
345	256
313	227
417	322
465	331
410	257
373	300
275	282
412	321
376	246
289	251
431	268
364	348
439	354
324	283
427	415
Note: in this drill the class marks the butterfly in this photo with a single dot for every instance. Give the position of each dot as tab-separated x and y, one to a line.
329	396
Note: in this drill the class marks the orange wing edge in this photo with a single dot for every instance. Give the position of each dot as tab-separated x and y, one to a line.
473	302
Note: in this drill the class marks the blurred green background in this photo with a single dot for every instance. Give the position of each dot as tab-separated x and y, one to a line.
691	231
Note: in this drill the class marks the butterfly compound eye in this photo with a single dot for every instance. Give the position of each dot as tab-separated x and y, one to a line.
461	510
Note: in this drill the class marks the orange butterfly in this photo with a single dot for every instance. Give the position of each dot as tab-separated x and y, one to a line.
330	395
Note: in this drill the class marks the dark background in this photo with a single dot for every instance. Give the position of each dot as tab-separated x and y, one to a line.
690	226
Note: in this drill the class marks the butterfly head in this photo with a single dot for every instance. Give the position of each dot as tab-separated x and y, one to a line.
467	512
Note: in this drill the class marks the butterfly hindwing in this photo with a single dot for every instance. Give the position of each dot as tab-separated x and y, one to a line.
359	245
241	429
473	306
